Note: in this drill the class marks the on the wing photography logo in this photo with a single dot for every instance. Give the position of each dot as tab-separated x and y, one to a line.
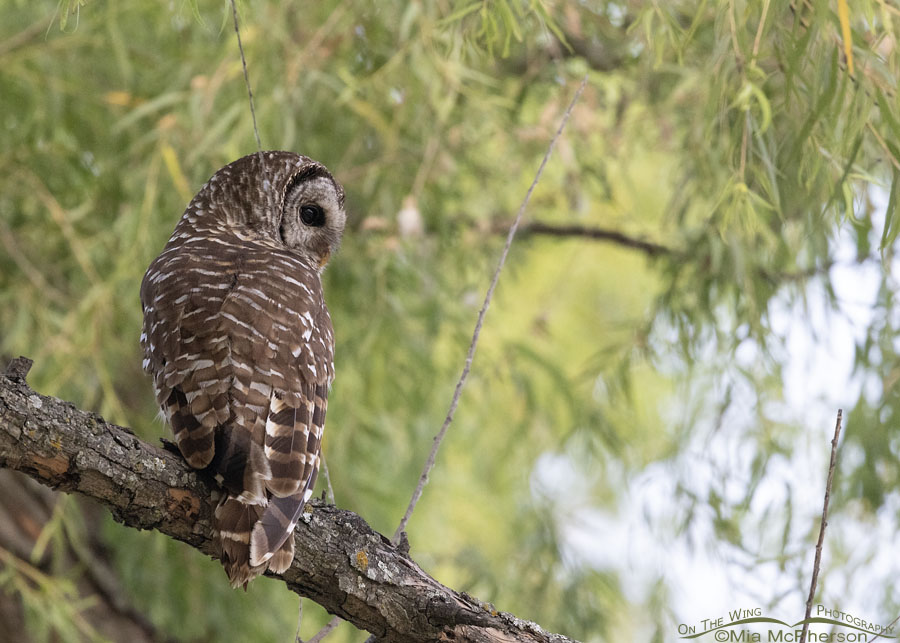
749	625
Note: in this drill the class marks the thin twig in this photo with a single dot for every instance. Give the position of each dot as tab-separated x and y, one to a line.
297	638
31	272
325	631
312	44
887	629
824	523
330	495
759	32
237	32
63	219
27	35
884	145
429	464
732	21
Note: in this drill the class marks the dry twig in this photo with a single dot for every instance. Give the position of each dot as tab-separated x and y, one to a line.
824	523
429	463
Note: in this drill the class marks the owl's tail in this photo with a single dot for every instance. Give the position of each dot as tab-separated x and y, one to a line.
255	538
234	520
272	538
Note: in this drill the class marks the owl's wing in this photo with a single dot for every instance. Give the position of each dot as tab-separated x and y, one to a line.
249	335
296	419
281	347
293	443
185	353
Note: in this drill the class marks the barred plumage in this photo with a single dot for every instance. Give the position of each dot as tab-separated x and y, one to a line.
240	345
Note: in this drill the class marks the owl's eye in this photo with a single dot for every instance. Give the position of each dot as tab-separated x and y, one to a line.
312	215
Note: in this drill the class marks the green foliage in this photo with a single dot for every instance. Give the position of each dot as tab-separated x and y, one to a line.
740	144
52	605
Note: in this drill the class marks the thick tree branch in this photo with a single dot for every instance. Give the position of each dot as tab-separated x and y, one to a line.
341	563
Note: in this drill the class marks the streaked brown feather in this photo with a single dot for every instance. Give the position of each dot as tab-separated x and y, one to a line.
234	522
240	344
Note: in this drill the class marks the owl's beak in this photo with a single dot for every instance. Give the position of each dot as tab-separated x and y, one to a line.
324	259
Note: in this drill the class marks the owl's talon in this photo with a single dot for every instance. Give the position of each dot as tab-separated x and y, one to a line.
170	446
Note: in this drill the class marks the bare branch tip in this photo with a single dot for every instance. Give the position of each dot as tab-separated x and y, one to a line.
824	523
18	368
402	543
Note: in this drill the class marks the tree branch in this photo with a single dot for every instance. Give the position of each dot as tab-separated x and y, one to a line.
822	525
598	234
651	249
341	563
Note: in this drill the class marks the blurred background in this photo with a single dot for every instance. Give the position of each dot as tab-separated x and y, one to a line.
707	272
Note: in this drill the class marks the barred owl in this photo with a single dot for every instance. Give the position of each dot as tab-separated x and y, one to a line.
240	345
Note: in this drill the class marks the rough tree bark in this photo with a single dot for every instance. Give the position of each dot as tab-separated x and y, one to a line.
341	563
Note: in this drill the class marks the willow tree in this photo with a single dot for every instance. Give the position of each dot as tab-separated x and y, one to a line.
729	167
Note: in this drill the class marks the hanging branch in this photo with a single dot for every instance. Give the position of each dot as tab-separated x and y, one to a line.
429	463
341	563
237	31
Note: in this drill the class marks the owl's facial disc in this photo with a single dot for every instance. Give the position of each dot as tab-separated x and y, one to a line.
313	217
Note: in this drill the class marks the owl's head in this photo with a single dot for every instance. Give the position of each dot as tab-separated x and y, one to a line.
312	213
294	202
